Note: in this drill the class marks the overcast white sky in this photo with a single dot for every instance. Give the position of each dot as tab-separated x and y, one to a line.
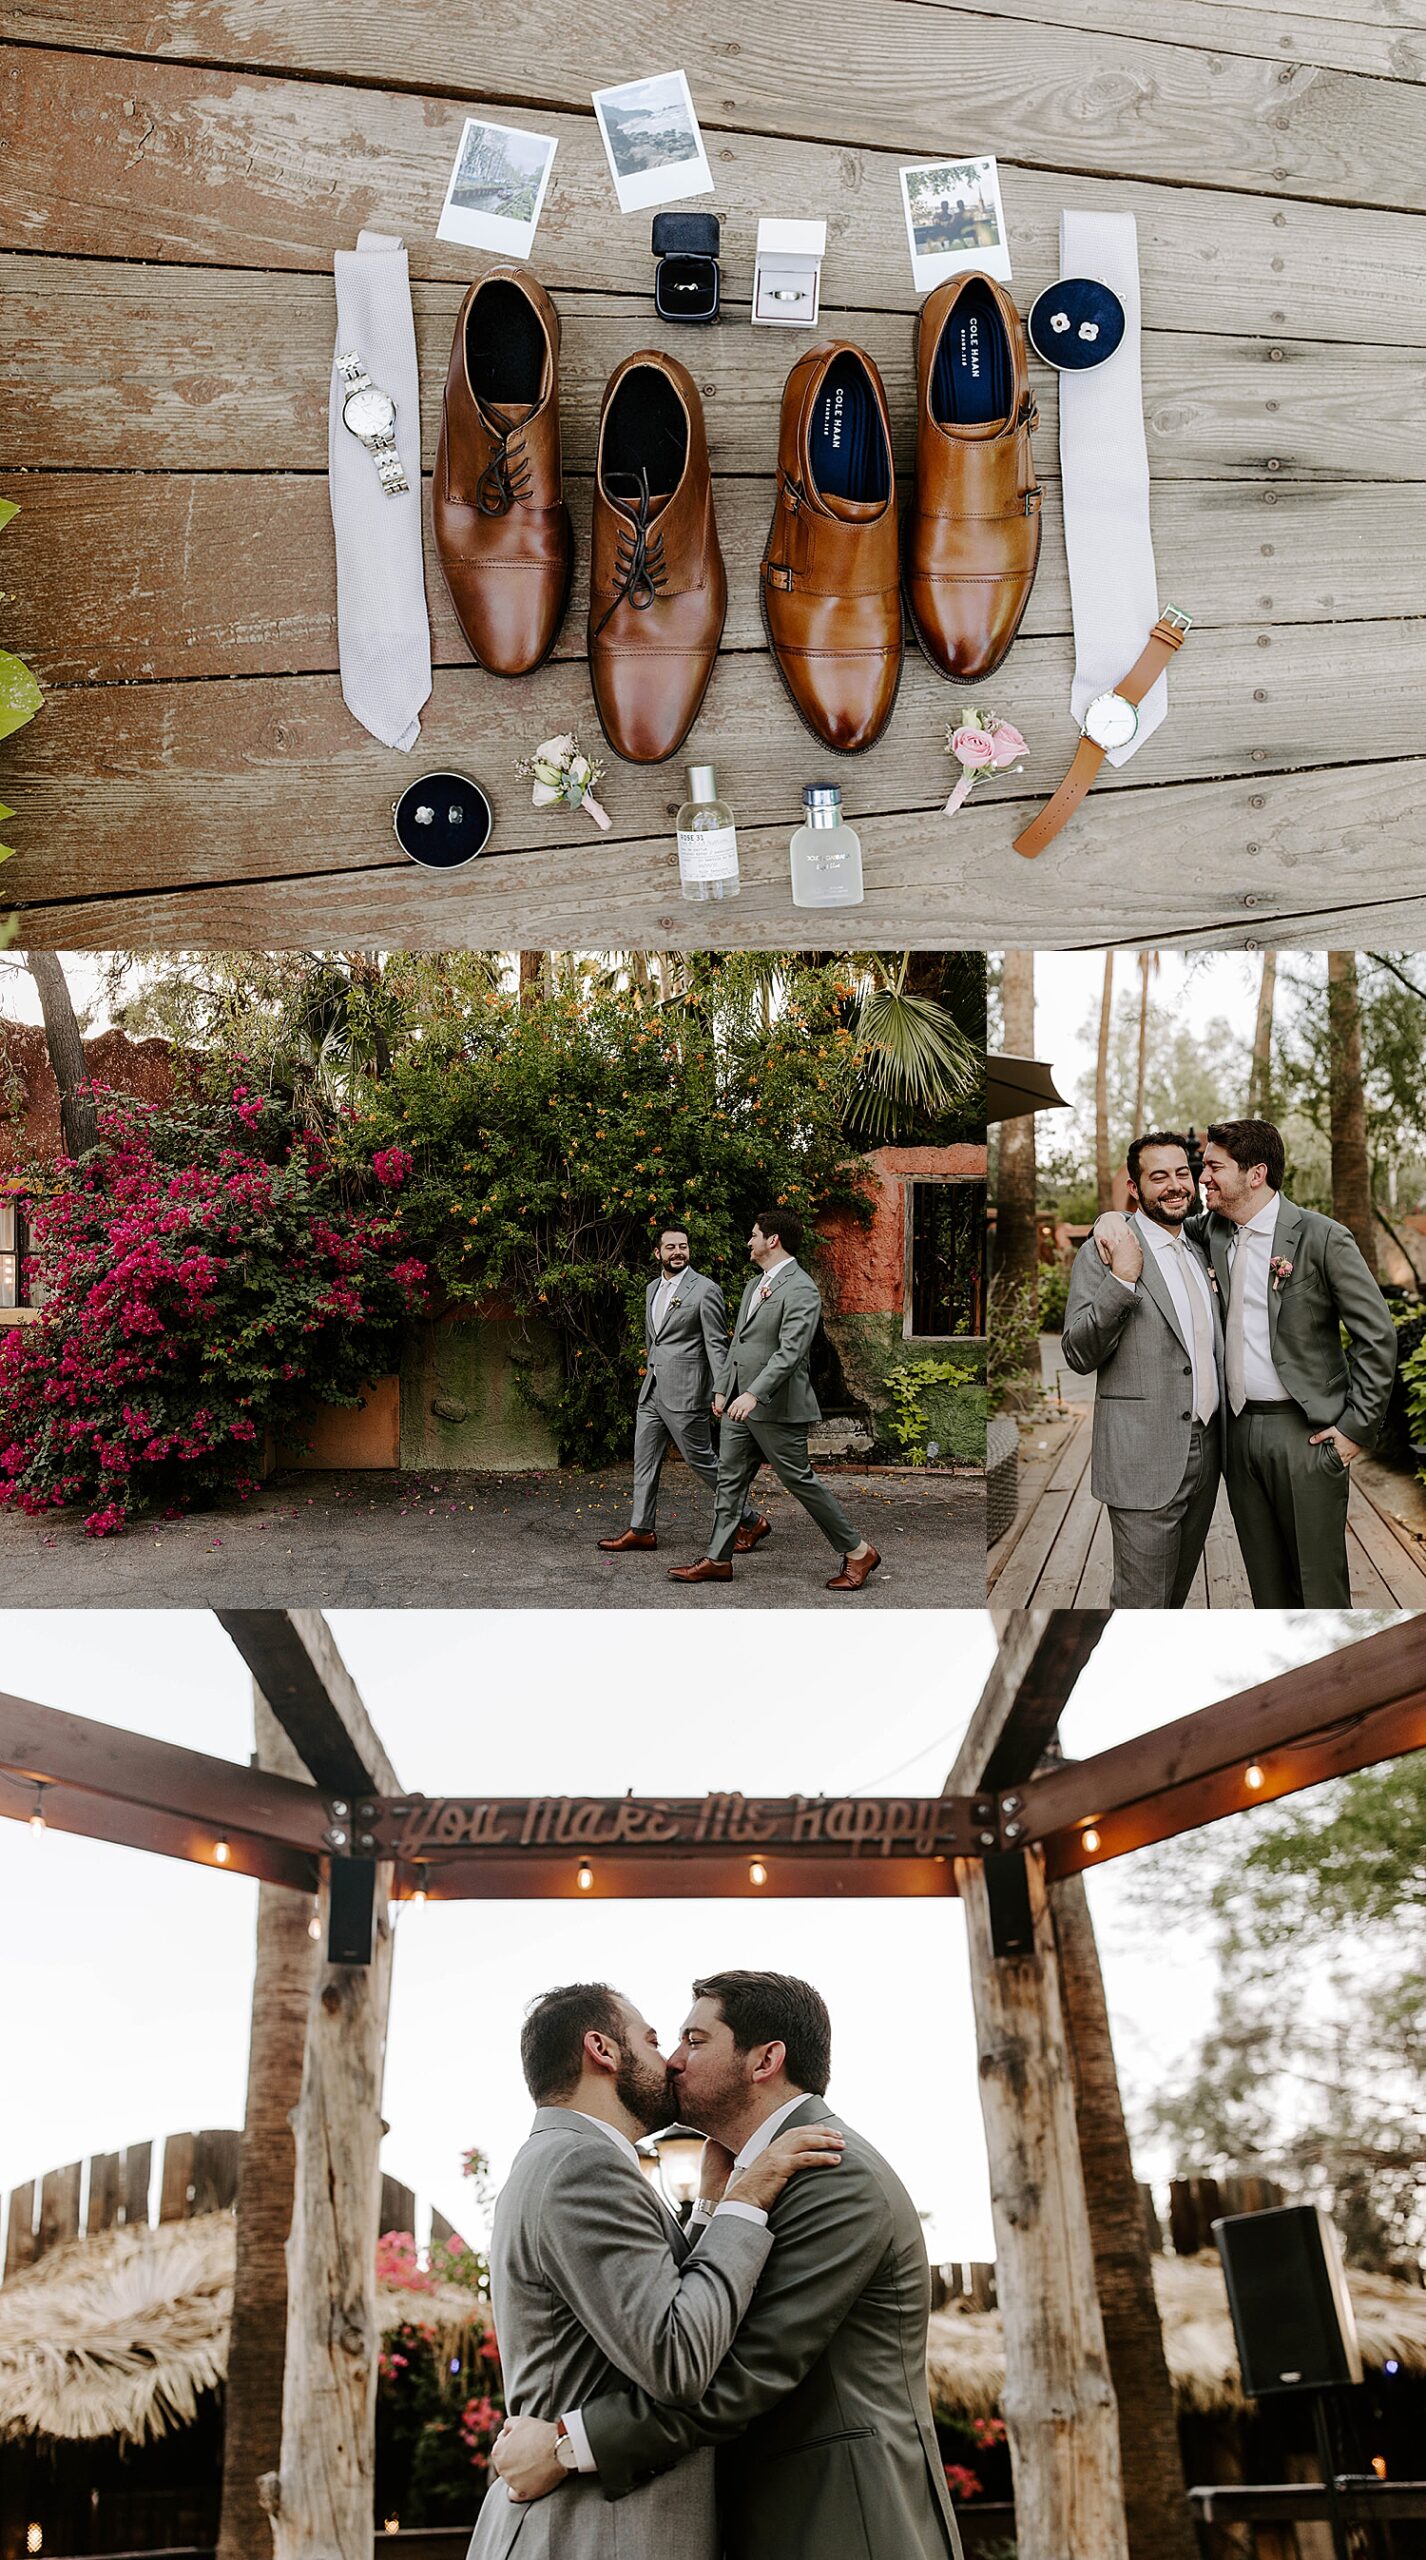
128	1976
1068	985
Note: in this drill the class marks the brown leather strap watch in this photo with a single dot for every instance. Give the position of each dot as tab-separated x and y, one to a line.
1110	721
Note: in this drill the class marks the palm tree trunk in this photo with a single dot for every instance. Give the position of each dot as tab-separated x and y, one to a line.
282	1992
1017	1243
1260	1081
1155	2505
78	1120
1146	959
534	977
1351	1172
1103	1171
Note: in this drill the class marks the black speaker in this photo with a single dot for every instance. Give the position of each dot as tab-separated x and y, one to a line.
1292	2314
351	1907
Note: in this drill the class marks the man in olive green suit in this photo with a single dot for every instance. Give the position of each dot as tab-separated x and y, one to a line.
763	1392
826	2445
1300	1407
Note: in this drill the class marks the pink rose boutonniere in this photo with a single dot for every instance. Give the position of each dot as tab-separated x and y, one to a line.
1281	1270
981	745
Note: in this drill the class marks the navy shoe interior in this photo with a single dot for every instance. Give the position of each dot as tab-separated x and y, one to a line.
847	444
504	347
646	430
972	376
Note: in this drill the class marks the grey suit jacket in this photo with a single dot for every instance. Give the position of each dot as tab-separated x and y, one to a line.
682	1360
1328	1288
1132	1342
771	1348
821	2411
596	2288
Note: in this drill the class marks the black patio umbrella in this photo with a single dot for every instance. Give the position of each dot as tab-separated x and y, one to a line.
1015	1087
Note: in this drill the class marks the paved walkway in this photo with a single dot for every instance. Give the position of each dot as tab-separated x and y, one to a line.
497	1542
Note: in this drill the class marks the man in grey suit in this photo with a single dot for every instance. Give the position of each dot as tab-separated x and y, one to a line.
1300	1408
685	1339
596	2286
820	2410
1146	1326
763	1391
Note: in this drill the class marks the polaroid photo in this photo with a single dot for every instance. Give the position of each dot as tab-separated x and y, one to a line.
651	137
497	188
954	221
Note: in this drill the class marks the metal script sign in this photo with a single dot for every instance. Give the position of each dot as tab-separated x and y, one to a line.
427	1827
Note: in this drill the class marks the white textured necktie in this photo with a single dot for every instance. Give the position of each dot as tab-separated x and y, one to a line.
1205	1367
1233	1336
1104	486
383	636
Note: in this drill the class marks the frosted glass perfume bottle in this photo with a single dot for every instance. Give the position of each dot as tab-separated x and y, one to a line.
826	854
707	840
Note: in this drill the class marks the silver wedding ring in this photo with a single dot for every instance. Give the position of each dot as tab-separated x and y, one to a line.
788	293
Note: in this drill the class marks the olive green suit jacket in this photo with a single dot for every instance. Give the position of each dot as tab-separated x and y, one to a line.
1327	1291
772	1345
820	2410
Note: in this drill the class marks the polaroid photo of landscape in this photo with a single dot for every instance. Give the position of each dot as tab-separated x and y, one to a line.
497	188
954	220
651	136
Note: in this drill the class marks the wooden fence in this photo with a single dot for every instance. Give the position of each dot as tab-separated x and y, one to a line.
199	2174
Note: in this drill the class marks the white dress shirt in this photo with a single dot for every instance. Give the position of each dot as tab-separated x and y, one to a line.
664	1296
703	2213
1173	1266
1261	1383
770	1278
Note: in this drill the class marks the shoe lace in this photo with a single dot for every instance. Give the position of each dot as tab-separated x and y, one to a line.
507	478
640	574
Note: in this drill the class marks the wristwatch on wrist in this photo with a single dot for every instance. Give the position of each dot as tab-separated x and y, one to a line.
369	414
564	2448
1110	721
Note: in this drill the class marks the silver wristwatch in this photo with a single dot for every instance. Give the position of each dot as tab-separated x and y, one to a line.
369	413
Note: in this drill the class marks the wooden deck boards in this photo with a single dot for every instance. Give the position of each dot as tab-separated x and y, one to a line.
173	187
1057	1554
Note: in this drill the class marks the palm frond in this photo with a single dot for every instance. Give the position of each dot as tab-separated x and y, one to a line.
918	1063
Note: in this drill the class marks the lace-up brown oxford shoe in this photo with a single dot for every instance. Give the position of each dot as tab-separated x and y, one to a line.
657	589
502	528
855	1571
830	572
704	1571
971	541
627	1540
750	1534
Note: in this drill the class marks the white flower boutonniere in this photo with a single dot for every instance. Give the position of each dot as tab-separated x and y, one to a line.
561	771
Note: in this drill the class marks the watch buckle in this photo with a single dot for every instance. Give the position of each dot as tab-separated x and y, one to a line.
1177	621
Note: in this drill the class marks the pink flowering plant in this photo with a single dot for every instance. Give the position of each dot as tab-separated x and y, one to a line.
206	1267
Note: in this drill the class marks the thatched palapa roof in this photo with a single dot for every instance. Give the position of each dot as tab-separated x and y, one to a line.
967	2351
119	2334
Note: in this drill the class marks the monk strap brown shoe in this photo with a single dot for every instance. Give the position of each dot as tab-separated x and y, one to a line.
971	541
855	1571
502	528
627	1540
750	1535
704	1571
657	589
830	572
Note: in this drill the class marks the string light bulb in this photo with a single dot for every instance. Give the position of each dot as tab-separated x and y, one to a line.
1252	1775
38	1823
585	1877
221	1853
34	2537
1090	1839
314	1925
419	1895
757	1872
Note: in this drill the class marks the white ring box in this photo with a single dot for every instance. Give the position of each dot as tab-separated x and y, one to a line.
787	279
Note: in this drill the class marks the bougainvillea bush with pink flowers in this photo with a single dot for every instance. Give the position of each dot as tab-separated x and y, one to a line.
207	1268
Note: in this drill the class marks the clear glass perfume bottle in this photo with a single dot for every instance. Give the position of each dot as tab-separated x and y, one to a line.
826	854
707	840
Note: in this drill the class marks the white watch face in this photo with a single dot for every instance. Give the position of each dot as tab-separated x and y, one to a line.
1110	721
370	412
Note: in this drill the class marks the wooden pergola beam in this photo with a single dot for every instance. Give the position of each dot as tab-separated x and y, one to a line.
1042	1653
293	1658
1320	1720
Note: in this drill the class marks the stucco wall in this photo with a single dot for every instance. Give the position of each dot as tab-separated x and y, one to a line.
863	1269
461	1404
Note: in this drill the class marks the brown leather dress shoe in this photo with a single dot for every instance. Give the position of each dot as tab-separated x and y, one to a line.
972	536
627	1541
830	592
502	528
751	1534
855	1571
657	589
704	1571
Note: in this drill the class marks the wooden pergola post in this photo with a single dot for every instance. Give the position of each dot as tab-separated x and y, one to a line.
1059	2403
